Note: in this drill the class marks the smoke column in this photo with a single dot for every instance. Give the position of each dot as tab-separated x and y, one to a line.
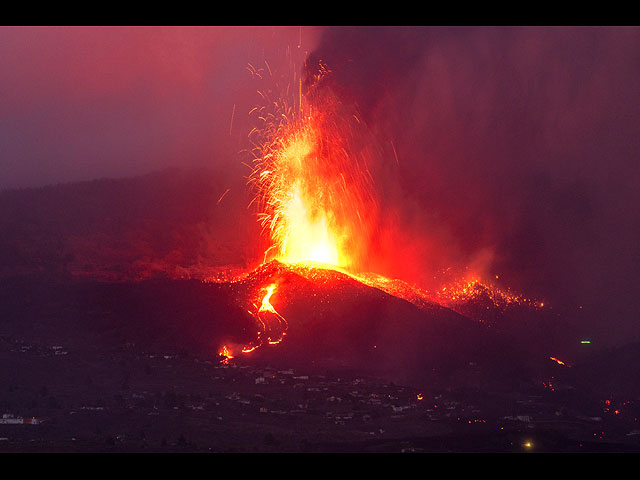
509	151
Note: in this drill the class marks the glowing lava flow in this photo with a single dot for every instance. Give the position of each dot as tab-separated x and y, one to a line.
271	321
272	327
472	288
560	362
225	353
266	304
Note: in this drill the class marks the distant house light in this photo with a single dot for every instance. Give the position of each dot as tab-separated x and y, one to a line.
585	341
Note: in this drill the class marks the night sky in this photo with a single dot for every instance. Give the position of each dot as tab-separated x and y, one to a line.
513	150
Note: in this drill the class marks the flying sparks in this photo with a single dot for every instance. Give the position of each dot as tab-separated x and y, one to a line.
313	189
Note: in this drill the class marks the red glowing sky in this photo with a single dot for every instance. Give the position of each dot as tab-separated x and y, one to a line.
84	102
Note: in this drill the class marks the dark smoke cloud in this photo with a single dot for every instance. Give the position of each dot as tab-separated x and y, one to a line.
517	155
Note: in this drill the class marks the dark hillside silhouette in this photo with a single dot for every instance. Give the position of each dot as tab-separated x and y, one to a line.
174	223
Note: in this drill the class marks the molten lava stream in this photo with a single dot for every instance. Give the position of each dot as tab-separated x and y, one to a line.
272	321
272	327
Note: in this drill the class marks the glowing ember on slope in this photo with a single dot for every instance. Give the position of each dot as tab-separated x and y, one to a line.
453	295
559	362
473	288
226	354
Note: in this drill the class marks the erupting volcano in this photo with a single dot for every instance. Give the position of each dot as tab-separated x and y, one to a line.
317	203
257	239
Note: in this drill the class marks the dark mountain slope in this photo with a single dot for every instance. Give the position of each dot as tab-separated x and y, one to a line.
174	223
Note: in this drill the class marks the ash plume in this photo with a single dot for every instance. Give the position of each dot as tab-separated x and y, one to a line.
509	151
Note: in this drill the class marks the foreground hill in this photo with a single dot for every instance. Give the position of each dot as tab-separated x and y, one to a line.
333	322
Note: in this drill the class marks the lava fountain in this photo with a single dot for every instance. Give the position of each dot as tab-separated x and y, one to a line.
314	192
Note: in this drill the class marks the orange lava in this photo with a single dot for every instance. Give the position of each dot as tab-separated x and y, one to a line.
226	354
559	362
313	189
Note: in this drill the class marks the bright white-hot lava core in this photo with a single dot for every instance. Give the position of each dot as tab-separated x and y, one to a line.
313	190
